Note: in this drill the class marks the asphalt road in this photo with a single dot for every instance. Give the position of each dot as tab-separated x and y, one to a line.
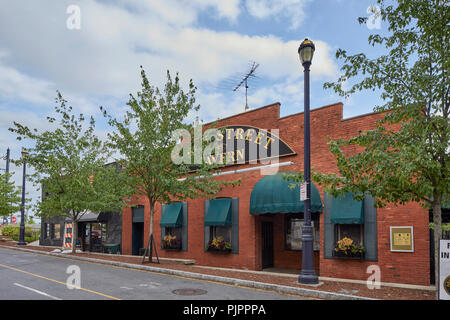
28	276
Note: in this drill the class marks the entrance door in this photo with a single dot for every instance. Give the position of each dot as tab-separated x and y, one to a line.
267	244
137	237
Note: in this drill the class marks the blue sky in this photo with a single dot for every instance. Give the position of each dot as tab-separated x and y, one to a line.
212	42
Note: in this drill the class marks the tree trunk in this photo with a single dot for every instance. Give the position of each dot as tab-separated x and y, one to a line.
437	220
152	212
74	234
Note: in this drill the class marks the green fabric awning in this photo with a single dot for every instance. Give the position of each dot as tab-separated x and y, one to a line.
346	210
219	213
172	216
272	194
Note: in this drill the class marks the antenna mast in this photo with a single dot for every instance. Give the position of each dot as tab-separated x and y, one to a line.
245	79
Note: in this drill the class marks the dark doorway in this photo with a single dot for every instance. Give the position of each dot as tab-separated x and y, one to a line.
137	237
445	235
267	244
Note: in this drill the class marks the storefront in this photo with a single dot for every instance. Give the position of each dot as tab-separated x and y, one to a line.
94	231
257	225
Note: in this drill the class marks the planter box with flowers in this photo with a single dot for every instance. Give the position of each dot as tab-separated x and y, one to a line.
218	244
348	249
171	243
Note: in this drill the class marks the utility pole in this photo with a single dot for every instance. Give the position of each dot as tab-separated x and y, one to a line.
5	219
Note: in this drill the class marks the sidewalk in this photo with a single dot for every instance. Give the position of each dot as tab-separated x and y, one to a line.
276	280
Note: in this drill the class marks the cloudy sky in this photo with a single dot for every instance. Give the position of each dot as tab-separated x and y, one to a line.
93	58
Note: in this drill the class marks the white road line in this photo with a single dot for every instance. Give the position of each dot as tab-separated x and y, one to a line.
37	291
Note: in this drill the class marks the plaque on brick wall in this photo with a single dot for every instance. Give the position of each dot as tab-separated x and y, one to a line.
402	239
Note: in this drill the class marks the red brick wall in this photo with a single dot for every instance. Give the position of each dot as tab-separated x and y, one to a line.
325	122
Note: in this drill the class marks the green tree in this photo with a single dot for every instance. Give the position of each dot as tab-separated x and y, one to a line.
406	158
30	220
145	140
10	196
69	165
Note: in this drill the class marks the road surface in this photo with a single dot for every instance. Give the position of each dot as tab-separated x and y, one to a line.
29	276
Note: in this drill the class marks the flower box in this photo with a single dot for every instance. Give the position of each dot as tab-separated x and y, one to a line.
171	243
213	249
172	248
348	255
218	244
346	248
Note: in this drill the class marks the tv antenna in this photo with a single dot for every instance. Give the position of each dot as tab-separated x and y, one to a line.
249	74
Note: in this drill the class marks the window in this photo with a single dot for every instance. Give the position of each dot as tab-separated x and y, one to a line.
103	232
220	238
172	238
45	231
51	231
293	231
57	231
172	226
217	231
352	231
96	233
222	225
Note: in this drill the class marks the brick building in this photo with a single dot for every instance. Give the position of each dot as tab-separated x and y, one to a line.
262	237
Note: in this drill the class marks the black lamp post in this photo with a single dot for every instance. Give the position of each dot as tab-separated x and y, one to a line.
22	209
308	275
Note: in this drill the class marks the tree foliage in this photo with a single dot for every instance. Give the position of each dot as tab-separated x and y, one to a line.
10	196
144	140
69	165
407	156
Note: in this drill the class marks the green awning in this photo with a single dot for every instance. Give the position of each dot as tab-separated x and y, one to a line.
172	216
219	213
346	210
272	194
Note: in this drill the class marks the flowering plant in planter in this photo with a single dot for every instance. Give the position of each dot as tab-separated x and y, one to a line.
219	244
171	242
347	247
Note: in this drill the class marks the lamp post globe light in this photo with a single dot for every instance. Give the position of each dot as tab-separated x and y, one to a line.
308	275
22	208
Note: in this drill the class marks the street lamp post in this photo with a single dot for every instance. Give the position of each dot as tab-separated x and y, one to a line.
308	275
22	209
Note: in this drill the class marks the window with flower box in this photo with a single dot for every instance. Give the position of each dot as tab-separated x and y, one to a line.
222	225
350	227
349	241
174	226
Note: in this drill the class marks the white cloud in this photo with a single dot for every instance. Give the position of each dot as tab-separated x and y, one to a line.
101	61
99	64
17	85
290	9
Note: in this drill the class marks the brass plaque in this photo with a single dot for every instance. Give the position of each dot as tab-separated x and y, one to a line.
402	239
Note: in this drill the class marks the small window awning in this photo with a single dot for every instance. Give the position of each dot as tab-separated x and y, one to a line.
172	216
273	194
219	213
89	216
346	210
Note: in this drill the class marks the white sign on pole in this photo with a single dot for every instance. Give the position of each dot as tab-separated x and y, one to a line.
303	191
444	270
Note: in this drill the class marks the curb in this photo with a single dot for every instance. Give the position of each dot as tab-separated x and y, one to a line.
207	277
